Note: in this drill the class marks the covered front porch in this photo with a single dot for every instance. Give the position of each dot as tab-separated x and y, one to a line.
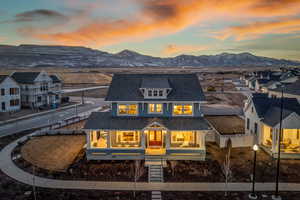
289	143
153	140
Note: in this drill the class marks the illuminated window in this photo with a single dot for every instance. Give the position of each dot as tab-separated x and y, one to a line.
124	137
99	139
127	109
184	139
155	108
182	109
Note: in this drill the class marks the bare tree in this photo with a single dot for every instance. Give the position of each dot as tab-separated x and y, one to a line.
138	172
173	164
226	169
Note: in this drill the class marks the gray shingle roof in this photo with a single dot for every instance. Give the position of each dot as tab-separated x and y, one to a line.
293	88
155	83
126	87
25	77
269	108
104	120
272	116
3	77
263	81
55	79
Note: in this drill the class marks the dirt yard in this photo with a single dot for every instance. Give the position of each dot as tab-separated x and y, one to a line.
235	99
97	93
55	153
242	163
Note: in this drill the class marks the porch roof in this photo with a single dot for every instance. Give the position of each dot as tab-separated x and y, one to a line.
104	120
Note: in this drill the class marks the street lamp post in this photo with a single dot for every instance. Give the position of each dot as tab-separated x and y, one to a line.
252	195
276	196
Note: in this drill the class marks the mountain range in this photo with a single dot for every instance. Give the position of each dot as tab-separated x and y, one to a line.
69	56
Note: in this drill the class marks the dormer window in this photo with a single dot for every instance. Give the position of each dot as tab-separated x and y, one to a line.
155	88
161	92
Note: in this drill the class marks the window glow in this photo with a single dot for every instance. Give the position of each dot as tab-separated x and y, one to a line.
155	108
121	139
184	139
98	139
127	109
182	109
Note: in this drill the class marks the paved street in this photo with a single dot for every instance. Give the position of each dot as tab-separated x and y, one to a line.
82	89
10	169
50	118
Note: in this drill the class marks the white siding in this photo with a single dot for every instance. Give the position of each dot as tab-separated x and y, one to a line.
6	85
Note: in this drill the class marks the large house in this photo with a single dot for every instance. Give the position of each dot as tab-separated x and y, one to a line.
262	118
38	89
9	94
151	115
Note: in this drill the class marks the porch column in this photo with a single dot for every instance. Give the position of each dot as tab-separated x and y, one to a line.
201	139
108	139
274	140
143	139
88	139
168	139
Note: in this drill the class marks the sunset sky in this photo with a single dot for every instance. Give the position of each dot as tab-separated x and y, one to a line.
157	27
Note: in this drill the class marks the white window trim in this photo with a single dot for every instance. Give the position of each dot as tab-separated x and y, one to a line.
118	112
173	114
162	108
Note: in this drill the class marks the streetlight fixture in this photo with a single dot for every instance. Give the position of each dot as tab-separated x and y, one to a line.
276	196
252	195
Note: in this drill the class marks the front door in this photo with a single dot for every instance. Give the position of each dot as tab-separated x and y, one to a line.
155	139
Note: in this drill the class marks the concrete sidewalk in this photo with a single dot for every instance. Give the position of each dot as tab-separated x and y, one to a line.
9	168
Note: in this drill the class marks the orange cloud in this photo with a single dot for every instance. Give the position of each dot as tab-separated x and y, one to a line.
157	18
255	30
172	49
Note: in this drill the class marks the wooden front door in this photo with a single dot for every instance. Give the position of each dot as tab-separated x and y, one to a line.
155	139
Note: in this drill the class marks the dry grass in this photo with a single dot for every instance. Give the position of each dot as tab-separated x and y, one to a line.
84	78
53	153
226	124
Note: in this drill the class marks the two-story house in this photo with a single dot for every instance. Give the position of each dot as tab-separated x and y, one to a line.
262	119
151	115
38	89
9	94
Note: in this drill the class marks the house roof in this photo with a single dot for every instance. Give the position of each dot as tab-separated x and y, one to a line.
292	88
220	123
155	83
25	77
3	77
126	87
55	79
104	120
272	116
263	81
269	108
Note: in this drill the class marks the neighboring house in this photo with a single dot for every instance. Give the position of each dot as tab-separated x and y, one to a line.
262	118
38	89
9	94
291	90
151	114
260	83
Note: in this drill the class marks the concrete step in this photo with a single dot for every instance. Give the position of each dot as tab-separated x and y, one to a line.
156	195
